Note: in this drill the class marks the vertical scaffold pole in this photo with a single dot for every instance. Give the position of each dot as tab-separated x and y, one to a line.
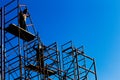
1	43
19	51
3	51
95	69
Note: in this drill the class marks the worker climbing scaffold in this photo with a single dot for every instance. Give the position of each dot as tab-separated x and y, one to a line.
39	54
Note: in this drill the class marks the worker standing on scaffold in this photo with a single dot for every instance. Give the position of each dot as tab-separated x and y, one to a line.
39	55
22	18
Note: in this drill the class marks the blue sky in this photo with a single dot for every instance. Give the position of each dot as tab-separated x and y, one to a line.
92	23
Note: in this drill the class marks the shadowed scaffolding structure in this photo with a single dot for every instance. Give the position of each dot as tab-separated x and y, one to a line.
24	57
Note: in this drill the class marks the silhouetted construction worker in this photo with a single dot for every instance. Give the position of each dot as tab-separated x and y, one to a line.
39	55
22	18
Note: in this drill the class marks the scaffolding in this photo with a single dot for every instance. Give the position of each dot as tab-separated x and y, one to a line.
76	64
23	56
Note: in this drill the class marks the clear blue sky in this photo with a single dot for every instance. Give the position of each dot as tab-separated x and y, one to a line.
92	23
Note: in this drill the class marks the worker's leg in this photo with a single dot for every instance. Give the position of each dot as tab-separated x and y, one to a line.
41	60
37	59
21	23
24	25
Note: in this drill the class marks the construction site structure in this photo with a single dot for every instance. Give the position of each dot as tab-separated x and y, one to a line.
23	56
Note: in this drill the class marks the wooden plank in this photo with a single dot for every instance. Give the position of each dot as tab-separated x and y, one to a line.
44	71
15	30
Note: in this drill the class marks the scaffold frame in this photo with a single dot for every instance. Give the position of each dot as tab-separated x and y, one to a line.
23	56
75	63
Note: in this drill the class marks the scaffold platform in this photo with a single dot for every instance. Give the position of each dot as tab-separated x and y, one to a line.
20	32
41	70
